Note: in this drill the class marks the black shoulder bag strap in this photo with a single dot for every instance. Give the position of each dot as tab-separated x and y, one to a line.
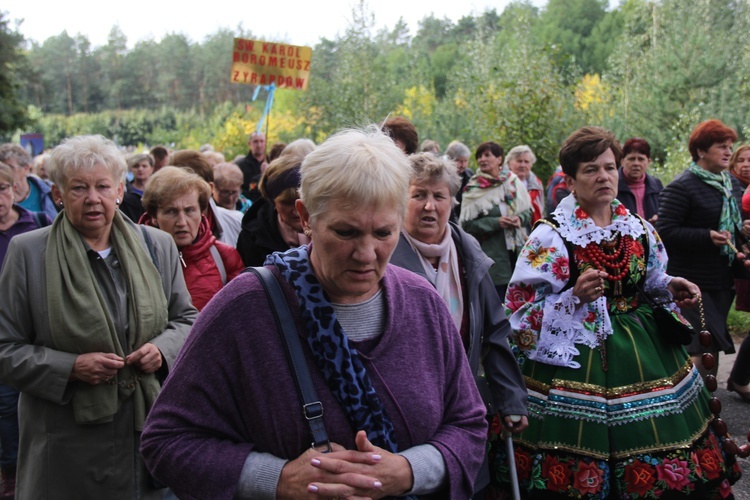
312	408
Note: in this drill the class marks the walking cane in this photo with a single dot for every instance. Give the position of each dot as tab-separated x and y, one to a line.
512	458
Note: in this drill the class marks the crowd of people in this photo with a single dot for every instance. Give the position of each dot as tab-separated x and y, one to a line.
440	313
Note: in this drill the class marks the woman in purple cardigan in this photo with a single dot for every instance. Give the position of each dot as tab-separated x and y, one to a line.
14	220
400	405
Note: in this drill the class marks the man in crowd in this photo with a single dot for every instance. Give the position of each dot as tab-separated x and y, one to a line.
227	187
252	165
30	192
160	155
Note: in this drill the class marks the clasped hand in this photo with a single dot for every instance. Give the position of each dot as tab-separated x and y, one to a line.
509	221
366	473
99	367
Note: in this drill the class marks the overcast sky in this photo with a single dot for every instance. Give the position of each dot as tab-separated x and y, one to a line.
299	22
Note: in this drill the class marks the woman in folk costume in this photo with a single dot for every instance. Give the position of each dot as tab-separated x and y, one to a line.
616	407
495	209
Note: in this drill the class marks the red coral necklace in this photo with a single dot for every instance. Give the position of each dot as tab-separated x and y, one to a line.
615	264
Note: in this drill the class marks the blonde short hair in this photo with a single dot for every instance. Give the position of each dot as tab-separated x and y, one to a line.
137	158
300	147
358	167
84	153
736	156
171	182
214	157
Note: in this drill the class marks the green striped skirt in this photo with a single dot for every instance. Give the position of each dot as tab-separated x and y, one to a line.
639	429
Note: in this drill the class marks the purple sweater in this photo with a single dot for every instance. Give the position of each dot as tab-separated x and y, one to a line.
231	391
25	223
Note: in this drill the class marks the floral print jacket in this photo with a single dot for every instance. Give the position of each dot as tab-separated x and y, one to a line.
548	321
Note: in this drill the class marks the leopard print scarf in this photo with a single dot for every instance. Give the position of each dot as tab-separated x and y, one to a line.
340	363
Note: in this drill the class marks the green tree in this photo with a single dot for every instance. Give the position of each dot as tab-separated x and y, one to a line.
12	111
508	90
347	90
567	25
212	68
603	39
142	67
55	62
177	72
88	94
112	60
662	72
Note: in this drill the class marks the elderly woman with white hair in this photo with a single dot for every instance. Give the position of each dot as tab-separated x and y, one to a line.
520	160
94	312
401	409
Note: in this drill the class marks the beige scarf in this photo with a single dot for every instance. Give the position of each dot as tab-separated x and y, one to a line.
446	278
80	321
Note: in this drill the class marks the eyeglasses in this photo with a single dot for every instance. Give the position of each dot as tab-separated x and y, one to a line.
5	187
229	192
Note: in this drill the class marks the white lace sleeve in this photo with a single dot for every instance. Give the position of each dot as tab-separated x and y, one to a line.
657	278
547	319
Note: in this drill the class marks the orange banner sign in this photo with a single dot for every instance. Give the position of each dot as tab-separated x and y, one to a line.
263	63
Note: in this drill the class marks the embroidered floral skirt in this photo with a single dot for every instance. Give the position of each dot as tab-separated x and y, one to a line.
640	429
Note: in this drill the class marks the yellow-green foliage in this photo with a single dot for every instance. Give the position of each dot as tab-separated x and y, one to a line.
419	102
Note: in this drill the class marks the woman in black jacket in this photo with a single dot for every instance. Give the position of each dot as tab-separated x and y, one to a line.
699	220
272	223
638	190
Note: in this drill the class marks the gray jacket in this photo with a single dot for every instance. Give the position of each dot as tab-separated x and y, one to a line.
502	386
59	458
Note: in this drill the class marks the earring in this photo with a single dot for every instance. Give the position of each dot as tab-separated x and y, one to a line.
308	232
117	201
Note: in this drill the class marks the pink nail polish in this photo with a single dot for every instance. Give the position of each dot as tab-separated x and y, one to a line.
315	462
312	488
377	458
377	485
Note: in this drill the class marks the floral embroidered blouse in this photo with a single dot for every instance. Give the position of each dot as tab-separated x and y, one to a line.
548	321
